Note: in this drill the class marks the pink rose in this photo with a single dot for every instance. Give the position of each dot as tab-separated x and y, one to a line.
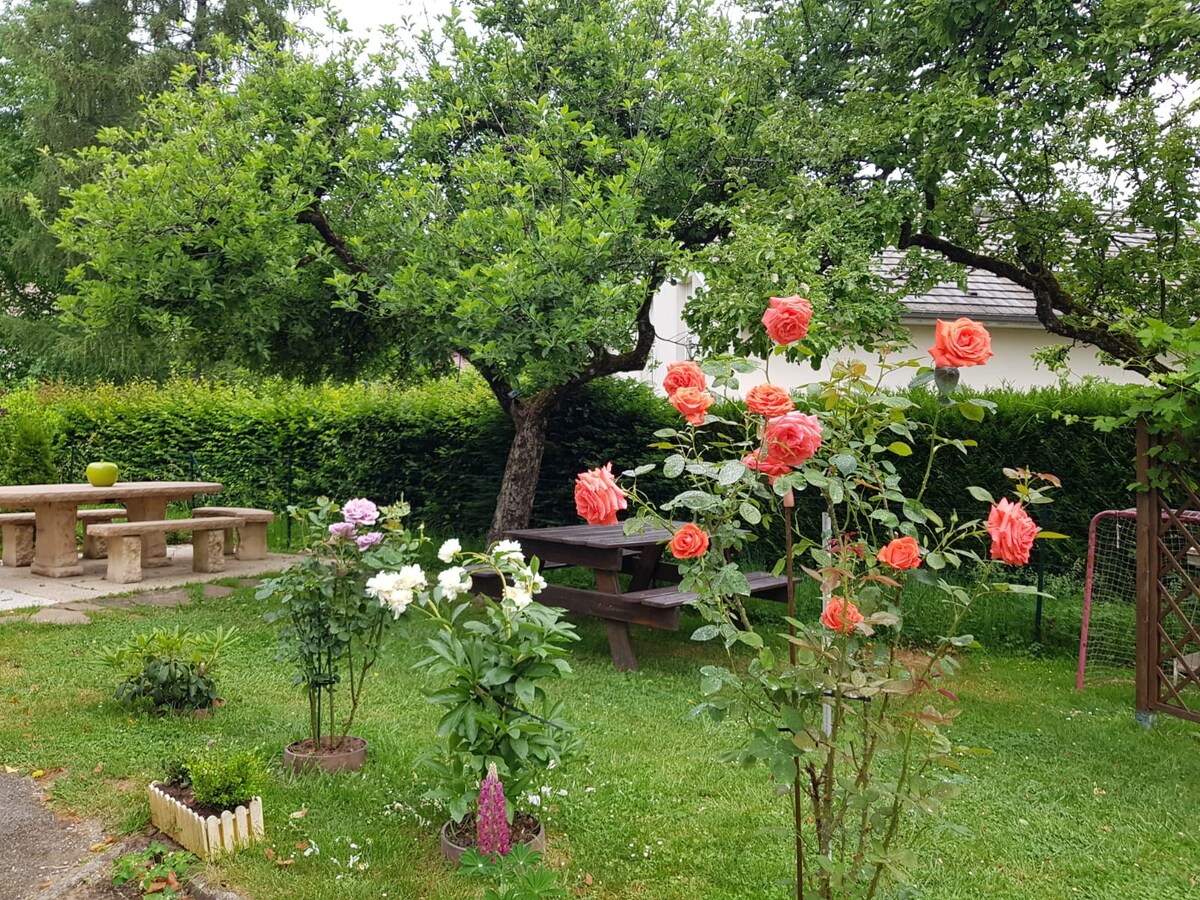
792	438
787	318
902	553
370	539
1012	532
341	530
760	462
769	400
693	403
360	511
840	615
681	375
598	497
960	343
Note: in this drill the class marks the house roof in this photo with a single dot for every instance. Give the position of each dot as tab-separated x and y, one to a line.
988	297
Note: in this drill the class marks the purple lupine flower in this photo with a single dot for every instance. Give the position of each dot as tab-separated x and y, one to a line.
360	511
370	539
341	530
492	822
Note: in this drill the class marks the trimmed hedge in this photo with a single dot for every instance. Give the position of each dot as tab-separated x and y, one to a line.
443	445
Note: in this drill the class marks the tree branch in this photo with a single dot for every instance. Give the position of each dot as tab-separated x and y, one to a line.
315	216
610	363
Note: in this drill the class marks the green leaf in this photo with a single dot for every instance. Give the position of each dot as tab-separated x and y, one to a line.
705	633
971	410
845	463
980	494
900	448
673	466
749	513
1053	536
730	472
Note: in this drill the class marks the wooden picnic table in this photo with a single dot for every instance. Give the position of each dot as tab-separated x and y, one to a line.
56	506
609	553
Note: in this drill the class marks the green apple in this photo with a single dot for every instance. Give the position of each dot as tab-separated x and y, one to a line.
102	474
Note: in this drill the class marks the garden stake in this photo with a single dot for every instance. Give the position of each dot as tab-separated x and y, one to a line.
789	504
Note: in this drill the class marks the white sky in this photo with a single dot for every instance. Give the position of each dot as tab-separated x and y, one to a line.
365	16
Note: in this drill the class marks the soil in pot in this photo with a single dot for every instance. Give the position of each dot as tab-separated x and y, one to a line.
346	756
184	795
459	837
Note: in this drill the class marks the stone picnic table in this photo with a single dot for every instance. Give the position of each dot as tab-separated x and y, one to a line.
55	507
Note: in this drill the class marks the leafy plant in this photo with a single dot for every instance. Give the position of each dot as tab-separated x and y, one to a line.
515	876
334	628
156	871
224	777
169	670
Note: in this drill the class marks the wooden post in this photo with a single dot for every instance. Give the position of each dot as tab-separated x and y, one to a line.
1146	657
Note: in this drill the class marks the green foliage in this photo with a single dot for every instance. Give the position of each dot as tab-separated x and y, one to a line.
169	670
30	457
334	626
156	871
223	777
517	876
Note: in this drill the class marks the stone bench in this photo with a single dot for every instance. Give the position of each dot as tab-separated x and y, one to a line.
251	536
17	532
125	543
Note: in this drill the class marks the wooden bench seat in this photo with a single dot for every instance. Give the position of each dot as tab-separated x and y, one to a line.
125	543
762	584
17	533
251	536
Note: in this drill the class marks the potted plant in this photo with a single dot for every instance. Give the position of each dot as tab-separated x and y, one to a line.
491	671
210	802
169	670
334	628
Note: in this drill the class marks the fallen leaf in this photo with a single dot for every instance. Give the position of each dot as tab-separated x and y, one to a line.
299	814
99	768
37	773
10	770
268	853
285	862
155	887
587	879
100	847
34	688
301	845
173	881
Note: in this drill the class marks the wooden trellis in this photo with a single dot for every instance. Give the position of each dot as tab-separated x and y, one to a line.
1168	577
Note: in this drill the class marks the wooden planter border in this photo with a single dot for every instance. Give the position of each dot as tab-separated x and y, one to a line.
206	836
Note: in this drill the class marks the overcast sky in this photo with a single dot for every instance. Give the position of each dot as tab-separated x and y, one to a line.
365	16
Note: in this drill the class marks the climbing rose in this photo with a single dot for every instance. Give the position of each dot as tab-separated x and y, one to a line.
692	403
360	512
681	375
689	542
960	343
769	400
1012	532
902	553
787	318
840	615
792	438
760	462
597	496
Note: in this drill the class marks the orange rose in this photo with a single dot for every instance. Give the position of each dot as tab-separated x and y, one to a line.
1012	532
840	615
902	553
960	343
792	438
598	497
787	318
769	400
692	403
681	375
689	542
759	462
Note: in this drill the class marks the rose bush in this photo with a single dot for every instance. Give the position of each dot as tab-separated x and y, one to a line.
832	708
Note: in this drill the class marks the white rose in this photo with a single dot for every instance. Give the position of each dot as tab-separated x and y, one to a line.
454	581
380	585
411	578
449	550
508	548
518	595
398	601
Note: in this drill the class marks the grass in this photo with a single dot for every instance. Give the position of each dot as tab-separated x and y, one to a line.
1075	801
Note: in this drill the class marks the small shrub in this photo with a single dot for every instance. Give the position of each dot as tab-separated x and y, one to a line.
223	777
168	670
156	871
30	457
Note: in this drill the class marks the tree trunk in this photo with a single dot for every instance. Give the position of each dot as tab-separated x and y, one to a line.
514	504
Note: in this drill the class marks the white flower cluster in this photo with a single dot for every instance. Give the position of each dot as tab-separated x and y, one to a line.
449	550
395	589
454	581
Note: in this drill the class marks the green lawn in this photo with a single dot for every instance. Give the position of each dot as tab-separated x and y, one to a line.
1076	801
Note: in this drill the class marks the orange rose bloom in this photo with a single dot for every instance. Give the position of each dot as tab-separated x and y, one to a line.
769	400
681	375
787	318
960	343
902	553
598	496
692	403
792	438
759	462
1012	532
840	615
689	542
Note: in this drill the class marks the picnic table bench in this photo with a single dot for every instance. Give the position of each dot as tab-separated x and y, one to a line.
610	553
17	533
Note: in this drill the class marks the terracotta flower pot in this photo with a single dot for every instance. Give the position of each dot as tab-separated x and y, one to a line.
453	851
300	756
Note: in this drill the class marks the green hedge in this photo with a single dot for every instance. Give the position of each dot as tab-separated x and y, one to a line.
443	444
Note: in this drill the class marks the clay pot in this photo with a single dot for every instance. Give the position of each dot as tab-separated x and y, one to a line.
349	757
453	852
